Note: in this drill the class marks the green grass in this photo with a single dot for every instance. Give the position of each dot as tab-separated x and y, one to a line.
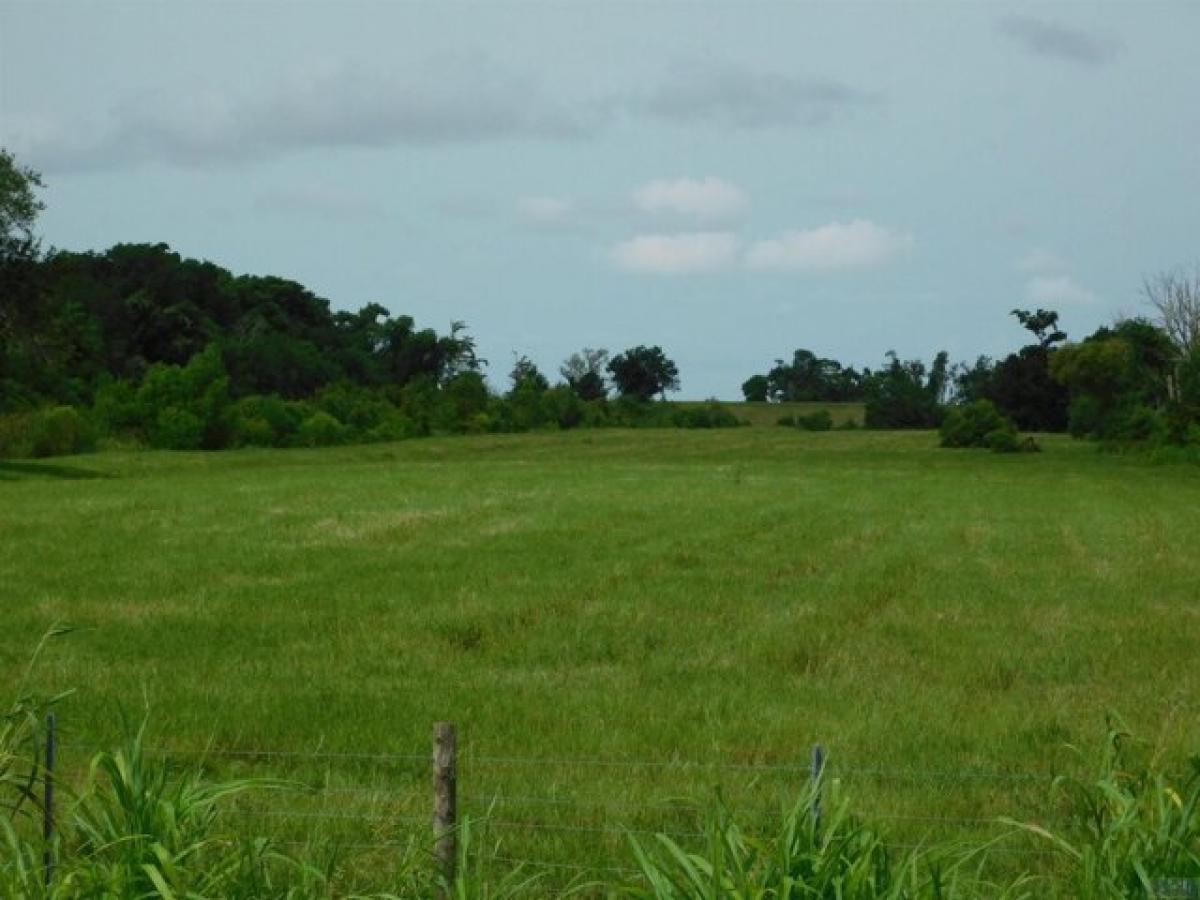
669	596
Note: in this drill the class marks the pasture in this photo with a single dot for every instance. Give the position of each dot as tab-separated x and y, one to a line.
675	600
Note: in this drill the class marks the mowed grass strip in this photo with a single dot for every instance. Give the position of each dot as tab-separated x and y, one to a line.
690	598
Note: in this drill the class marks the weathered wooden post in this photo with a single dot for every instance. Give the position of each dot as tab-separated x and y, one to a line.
445	799
816	773
48	799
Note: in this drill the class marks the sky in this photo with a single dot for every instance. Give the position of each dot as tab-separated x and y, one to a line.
731	181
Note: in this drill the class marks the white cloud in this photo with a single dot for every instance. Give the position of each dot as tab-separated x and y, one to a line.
544	212
1052	290
676	254
1041	262
856	244
707	199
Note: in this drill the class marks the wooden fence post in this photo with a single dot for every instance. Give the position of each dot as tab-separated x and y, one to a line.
816	773
445	799
48	799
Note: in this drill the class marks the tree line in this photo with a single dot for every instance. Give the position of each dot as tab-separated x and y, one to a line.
140	343
1136	380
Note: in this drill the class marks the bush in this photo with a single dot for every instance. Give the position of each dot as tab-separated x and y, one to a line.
1136	423
177	429
562	405
55	431
322	430
821	420
1003	440
711	414
786	421
974	425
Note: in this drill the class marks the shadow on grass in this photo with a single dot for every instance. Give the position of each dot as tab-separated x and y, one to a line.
13	470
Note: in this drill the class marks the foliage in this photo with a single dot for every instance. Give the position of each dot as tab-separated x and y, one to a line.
643	372
809	377
971	425
1132	830
840	859
710	414
905	394
52	431
756	388
584	372
1119	381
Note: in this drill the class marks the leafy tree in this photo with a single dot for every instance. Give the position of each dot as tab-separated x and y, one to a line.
1042	324
810	377
1020	385
756	388
19	204
525	376
584	372
904	394
642	372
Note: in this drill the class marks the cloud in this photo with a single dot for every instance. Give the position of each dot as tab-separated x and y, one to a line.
1041	262
1058	41
676	254
727	94
448	99
708	199
1054	290
545	212
325	203
856	244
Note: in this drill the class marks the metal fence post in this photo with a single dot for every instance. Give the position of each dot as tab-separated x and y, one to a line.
816	773
445	799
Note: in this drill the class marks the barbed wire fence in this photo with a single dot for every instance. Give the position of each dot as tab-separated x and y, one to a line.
551	817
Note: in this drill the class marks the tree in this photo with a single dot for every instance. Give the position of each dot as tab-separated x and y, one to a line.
20	314
19	205
1042	324
526	377
810	377
1175	296
643	372
903	395
584	372
755	388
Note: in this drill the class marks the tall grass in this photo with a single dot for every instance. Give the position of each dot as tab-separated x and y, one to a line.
838	857
1132	830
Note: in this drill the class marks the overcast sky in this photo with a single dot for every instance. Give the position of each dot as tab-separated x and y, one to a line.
731	181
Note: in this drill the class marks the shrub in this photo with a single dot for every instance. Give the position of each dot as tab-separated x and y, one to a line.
1136	423
177	429
710	414
786	421
61	430
322	430
1003	440
55	431
562	405
974	425
821	420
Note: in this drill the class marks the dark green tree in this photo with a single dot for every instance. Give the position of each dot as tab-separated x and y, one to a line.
642	372
755	388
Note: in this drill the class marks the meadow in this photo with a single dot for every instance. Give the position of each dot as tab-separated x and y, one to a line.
615	620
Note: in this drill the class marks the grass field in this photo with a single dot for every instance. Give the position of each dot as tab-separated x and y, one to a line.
687	598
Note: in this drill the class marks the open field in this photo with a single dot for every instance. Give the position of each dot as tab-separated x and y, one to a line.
655	596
